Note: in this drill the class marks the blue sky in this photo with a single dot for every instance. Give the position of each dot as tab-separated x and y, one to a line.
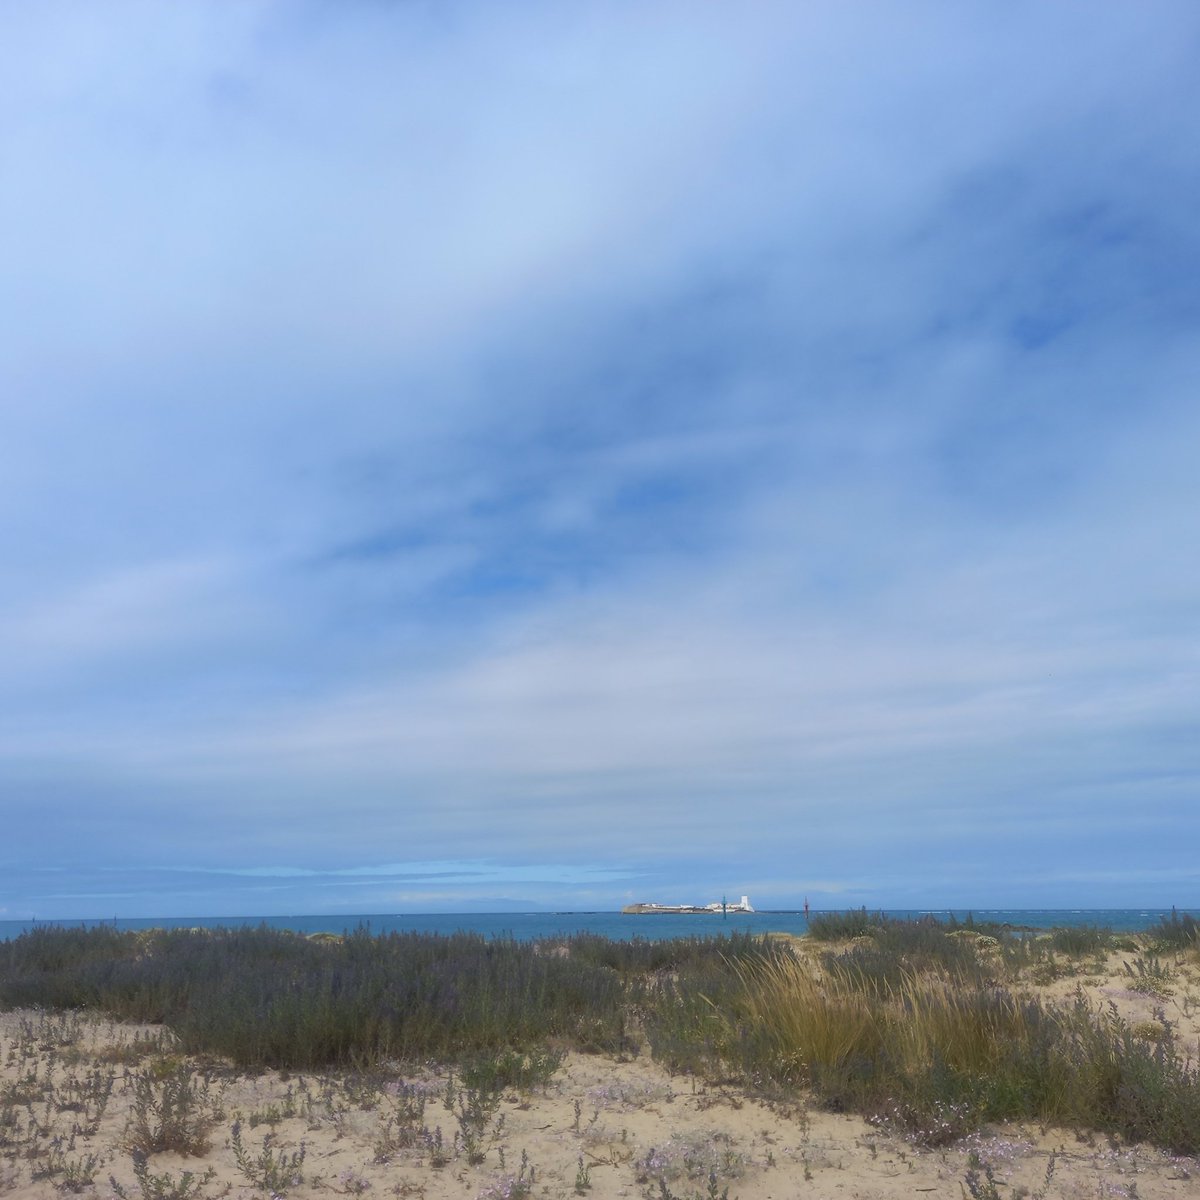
463	456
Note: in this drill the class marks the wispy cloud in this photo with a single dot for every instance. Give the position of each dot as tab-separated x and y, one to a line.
542	449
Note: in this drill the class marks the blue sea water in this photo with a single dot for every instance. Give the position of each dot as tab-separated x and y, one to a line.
618	926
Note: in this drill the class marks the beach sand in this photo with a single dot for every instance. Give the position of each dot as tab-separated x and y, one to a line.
600	1127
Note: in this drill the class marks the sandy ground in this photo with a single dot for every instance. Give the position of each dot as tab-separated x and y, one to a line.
599	1128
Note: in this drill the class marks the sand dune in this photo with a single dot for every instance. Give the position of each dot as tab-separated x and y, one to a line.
599	1127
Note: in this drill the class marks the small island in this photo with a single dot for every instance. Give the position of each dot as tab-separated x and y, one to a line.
718	906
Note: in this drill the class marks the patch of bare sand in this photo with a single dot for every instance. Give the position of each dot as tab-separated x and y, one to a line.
599	1128
1144	989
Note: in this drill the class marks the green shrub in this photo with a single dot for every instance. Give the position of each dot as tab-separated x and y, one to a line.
173	1110
1078	941
270	998
840	927
1173	933
908	1025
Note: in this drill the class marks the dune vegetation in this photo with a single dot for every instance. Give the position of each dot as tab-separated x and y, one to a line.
927	1029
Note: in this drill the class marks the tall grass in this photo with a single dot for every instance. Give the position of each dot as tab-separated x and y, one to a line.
939	1057
1081	940
803	1031
1174	933
836	927
909	1025
640	956
897	951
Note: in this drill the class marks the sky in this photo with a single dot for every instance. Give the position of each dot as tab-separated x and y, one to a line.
465	456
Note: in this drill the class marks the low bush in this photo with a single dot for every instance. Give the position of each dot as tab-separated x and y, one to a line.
1082	940
840	927
909	1025
1173	933
641	957
172	1109
268	997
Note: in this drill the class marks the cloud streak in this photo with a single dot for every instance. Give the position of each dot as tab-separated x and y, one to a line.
745	453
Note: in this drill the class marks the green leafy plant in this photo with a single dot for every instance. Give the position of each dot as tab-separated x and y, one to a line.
269	1169
980	1180
1174	933
583	1177
512	1187
173	1109
1150	975
187	1186
75	1174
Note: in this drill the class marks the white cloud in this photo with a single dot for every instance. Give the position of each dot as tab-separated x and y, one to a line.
523	424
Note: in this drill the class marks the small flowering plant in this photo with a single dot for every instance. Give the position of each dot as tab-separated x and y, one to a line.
512	1187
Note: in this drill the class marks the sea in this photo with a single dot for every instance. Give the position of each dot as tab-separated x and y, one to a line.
537	926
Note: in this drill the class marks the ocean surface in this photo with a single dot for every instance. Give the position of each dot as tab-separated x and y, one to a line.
534	926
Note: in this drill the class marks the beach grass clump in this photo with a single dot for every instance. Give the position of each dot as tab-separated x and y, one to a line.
1079	941
937	1057
1175	933
786	1024
842	926
1032	958
927	944
884	948
884	951
682	1017
643	957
